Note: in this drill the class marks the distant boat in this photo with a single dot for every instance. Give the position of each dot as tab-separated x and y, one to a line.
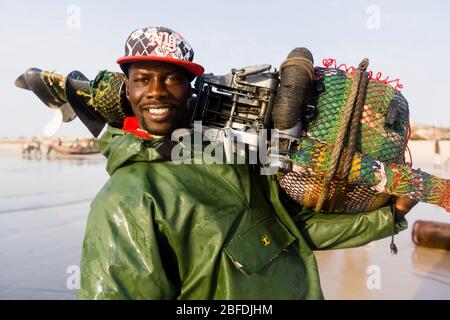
74	149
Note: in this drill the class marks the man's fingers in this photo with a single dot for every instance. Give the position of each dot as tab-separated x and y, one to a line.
404	205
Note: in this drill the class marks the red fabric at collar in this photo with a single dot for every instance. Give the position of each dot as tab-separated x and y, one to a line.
131	125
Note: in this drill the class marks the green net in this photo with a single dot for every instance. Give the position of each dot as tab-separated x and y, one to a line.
377	169
108	96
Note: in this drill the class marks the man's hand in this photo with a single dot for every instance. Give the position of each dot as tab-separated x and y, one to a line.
403	205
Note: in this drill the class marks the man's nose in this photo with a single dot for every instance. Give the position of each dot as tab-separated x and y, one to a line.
157	89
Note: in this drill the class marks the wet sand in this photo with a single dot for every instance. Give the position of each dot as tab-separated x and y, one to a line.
43	210
414	273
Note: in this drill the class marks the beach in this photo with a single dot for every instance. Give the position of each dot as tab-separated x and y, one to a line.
44	205
43	210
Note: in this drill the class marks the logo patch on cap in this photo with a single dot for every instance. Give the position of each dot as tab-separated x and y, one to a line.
160	42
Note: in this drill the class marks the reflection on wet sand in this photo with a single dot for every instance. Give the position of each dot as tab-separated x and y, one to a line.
353	263
414	273
79	160
343	273
433	266
348	274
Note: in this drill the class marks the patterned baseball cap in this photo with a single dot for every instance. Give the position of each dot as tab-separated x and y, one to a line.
159	44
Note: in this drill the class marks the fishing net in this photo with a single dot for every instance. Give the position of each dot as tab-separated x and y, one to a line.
376	167
55	85
108	97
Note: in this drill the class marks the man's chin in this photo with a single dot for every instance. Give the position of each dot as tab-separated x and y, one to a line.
159	130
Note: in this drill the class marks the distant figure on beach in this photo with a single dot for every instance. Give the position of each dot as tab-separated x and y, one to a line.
33	147
76	143
438	160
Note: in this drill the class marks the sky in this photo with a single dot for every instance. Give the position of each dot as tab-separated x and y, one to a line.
408	40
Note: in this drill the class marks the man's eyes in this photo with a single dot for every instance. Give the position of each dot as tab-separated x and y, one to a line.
141	80
169	80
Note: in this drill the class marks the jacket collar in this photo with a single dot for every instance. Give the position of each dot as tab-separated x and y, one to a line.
121	146
131	125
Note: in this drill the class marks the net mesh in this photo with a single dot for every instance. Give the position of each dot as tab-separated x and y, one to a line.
378	168
108	96
55	85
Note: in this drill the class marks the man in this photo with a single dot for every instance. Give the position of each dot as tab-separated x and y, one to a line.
158	230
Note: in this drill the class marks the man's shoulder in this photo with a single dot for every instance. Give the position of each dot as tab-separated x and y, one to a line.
123	197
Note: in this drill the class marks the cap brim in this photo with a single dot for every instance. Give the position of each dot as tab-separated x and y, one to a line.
192	67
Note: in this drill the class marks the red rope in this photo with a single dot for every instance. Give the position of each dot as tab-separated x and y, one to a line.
330	62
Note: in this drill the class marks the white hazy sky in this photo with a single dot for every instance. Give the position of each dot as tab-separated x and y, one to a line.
410	41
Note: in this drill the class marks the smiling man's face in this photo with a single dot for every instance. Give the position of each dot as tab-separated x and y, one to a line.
158	93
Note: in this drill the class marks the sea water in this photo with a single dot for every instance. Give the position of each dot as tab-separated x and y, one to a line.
44	205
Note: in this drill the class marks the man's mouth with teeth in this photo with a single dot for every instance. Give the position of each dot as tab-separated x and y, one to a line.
157	110
158	113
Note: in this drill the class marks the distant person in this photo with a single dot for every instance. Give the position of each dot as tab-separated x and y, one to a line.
33	146
438	159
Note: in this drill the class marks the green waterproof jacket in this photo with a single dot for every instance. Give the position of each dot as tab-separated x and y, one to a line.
160	230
